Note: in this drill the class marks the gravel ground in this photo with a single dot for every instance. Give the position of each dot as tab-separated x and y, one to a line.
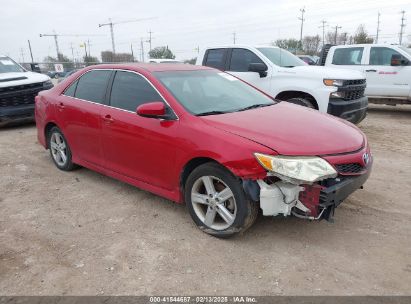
81	233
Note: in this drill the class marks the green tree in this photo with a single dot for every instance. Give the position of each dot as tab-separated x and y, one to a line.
361	35
290	44
161	52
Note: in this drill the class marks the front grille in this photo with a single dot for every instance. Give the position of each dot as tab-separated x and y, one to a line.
352	89
354	82
349	168
19	95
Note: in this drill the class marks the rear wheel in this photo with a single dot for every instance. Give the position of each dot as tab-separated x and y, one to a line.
302	102
59	150
217	202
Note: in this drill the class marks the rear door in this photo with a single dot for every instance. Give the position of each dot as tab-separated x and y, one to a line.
384	79
239	60
134	146
79	114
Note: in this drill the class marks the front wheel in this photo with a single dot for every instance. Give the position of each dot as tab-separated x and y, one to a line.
217	202
301	102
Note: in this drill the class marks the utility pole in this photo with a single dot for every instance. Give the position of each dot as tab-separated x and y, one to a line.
197	49
302	10
234	37
324	22
402	26
132	52
150	38
378	28
111	25
142	50
336	33
72	51
89	48
22	55
31	53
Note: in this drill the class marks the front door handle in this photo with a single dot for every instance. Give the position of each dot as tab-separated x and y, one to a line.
371	70
108	119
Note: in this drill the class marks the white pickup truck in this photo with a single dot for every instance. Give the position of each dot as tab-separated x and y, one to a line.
386	67
286	77
18	88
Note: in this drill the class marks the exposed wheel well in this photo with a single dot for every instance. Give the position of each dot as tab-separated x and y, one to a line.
297	94
47	130
190	166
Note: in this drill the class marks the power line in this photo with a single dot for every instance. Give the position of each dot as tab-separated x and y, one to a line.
111	25
402	26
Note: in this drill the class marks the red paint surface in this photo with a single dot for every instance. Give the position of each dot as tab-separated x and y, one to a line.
151	153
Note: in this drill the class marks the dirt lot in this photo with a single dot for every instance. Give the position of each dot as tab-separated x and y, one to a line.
81	233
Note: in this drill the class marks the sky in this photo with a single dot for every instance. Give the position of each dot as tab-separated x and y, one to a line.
183	25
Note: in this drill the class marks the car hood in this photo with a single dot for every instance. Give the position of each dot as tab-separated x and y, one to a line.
20	78
291	130
324	72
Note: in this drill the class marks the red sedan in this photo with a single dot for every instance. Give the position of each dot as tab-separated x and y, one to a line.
196	135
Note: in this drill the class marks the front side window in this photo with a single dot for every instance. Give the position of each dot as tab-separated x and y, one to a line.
216	58
382	55
281	57
92	86
208	92
348	56
131	90
241	59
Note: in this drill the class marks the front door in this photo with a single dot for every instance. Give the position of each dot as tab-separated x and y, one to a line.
134	146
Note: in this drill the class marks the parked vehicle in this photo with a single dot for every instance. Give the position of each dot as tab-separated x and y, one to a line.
310	60
18	88
386	67
56	75
286	77
197	135
151	60
67	75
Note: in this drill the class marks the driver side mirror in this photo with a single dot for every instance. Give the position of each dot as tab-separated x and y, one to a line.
397	60
259	68
156	109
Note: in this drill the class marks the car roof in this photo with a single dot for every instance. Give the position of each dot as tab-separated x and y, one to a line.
236	46
149	67
364	45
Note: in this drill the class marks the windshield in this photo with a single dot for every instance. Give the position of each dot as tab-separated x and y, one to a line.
408	50
281	57
8	66
211	92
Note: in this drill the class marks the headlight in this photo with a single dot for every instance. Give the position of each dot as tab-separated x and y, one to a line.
299	169
333	82
47	83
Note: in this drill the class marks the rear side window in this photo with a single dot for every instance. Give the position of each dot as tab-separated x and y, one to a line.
216	58
241	59
92	86
348	56
382	55
131	90
71	90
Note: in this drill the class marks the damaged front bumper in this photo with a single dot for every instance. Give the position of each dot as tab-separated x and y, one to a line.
314	202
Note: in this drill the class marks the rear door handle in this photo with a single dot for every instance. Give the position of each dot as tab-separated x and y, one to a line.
371	70
61	106
108	119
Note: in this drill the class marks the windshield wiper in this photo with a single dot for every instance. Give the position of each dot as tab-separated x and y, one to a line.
259	105
211	113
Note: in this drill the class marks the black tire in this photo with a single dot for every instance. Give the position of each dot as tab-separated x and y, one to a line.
302	102
246	210
68	164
